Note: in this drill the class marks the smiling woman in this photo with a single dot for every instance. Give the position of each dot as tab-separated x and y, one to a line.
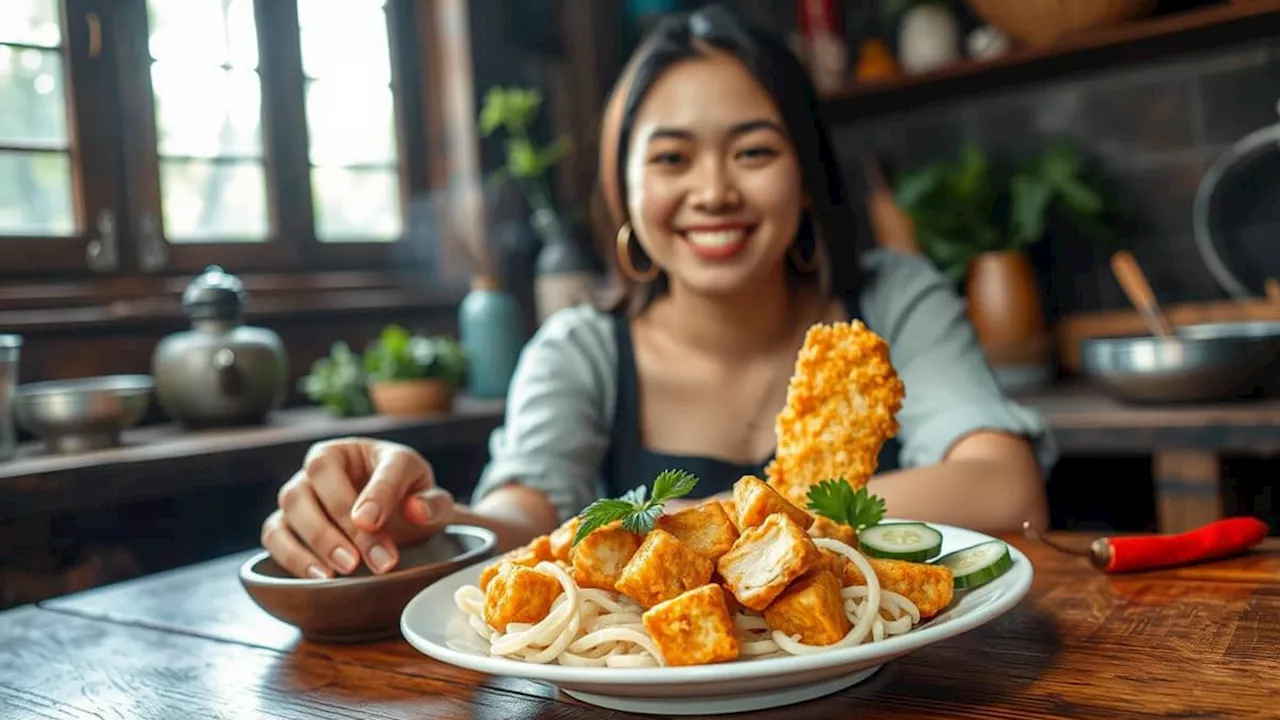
734	238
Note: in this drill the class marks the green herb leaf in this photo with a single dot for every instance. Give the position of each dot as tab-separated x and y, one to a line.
601	513
837	500
671	484
637	514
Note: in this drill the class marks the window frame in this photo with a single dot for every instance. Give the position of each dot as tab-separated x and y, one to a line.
115	158
95	184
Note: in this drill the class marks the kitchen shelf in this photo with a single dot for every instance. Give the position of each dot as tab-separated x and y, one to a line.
1125	44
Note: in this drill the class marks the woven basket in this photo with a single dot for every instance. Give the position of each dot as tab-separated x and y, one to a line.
1041	22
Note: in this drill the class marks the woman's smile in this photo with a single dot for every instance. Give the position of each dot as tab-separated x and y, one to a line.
720	241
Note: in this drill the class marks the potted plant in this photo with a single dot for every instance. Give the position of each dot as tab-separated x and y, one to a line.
337	382
412	375
976	221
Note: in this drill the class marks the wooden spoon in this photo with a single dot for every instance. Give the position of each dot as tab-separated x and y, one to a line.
1135	286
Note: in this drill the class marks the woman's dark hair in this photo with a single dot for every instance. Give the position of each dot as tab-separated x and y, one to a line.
828	228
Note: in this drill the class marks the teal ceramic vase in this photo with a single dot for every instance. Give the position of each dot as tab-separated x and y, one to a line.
490	329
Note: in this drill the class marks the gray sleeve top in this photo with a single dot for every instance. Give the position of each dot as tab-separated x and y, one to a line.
560	404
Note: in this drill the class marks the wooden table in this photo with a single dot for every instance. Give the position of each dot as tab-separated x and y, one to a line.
1192	642
1185	442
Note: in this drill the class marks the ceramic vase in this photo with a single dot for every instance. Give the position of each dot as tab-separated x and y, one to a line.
490	329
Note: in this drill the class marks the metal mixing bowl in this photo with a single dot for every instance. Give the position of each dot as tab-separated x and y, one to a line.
1207	362
82	414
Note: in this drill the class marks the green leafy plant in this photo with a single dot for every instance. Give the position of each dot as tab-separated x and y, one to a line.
636	513
338	382
513	110
967	206
837	500
398	354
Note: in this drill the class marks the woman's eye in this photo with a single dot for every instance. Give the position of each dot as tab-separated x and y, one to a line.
757	153
667	158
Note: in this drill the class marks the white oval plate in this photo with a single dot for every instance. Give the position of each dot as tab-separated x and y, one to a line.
434	625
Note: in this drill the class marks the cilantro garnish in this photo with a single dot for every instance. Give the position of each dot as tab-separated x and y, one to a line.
837	500
637	514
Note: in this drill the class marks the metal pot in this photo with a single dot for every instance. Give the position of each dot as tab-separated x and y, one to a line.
220	372
1235	214
1207	362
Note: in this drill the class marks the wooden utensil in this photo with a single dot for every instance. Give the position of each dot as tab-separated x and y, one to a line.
1138	290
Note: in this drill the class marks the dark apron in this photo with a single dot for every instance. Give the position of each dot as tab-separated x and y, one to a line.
628	464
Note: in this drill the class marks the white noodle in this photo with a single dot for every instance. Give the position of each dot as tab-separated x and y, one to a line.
590	627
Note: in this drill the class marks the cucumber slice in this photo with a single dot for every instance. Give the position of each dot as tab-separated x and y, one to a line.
978	565
913	542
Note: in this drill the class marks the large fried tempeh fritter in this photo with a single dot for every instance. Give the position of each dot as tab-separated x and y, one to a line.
842	404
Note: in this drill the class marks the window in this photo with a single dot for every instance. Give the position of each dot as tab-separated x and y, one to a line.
35	148
158	136
351	121
207	95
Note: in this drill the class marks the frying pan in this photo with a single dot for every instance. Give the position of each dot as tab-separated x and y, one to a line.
1188	363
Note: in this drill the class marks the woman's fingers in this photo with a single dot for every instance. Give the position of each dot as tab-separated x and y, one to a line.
288	552
430	509
337	496
397	473
308	520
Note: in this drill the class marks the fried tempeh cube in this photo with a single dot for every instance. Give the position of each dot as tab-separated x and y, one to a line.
842	405
694	628
599	559
519	594
930	587
704	529
561	541
661	569
835	563
755	501
731	510
765	559
812	608
825	527
536	551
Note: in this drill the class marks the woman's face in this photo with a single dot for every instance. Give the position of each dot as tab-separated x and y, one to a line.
713	184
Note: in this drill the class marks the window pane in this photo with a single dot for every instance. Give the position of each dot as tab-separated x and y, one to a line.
350	124
218	201
345	38
207	112
30	22
356	204
35	194
32	103
204	32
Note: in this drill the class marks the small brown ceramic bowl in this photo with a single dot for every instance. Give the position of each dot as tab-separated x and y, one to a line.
361	607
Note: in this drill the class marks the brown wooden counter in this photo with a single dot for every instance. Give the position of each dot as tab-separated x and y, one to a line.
1186	442
161	460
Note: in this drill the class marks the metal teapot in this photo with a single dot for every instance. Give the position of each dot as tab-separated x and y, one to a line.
221	372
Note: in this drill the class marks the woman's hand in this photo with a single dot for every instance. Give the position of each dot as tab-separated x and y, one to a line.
354	499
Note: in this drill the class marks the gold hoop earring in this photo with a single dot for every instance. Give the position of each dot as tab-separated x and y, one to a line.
624	258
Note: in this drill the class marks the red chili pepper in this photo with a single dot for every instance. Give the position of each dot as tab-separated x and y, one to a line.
1147	552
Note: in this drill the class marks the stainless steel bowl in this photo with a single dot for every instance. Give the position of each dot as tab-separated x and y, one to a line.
1207	362
82	414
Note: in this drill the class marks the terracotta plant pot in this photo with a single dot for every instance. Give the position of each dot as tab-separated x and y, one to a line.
411	397
1005	309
